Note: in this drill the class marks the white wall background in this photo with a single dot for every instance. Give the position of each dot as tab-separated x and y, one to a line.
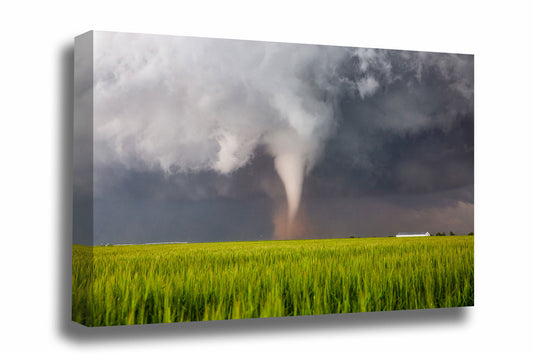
35	95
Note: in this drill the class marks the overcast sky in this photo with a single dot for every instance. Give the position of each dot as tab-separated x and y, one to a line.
203	140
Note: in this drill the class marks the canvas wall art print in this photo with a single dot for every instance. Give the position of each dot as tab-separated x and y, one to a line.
219	179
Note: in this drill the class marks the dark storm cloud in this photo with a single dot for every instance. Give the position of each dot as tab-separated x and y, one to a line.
414	134
188	133
404	155
420	163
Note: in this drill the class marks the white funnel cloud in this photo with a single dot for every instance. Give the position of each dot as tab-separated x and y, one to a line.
290	168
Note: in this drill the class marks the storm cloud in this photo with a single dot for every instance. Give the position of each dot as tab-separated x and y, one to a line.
201	139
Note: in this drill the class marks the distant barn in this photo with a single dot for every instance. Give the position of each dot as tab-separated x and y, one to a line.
412	234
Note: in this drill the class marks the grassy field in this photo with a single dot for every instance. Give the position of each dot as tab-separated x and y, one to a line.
121	285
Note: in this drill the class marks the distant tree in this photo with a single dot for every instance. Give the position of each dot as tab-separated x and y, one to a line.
470	234
451	233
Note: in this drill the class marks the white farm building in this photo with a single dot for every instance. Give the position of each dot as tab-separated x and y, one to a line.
412	234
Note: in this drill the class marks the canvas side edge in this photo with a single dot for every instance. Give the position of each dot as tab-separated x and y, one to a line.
83	184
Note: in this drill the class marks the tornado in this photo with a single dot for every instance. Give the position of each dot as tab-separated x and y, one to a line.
290	168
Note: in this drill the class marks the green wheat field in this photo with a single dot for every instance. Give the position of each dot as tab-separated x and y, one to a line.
138	284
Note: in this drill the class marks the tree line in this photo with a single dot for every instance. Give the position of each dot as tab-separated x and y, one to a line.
451	234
